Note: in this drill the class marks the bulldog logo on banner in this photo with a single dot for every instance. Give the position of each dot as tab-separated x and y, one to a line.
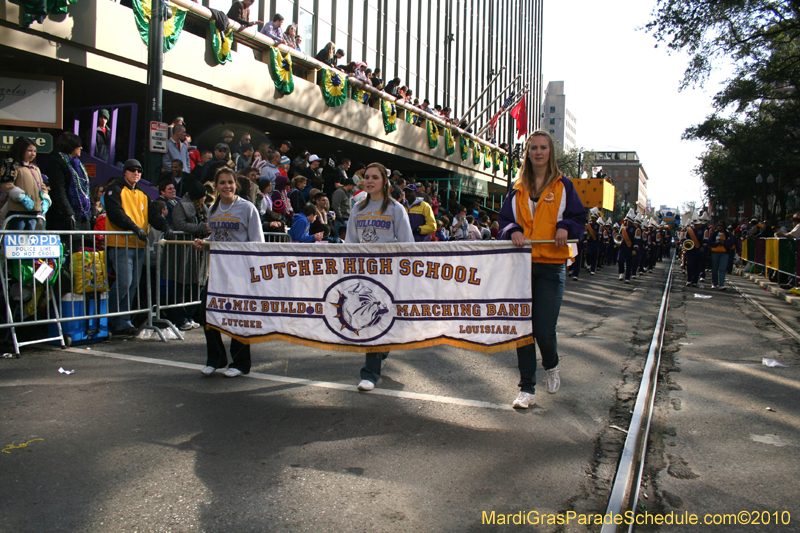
367	298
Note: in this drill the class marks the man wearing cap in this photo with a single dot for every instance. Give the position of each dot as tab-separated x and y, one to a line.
284	148
311	171
176	149
218	160
420	215
101	135
128	209
340	201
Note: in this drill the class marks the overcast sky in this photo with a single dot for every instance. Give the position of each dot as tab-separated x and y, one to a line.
624	92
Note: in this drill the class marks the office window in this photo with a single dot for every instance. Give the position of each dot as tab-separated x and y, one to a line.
358	21
616	173
323	34
391	36
342	15
552	131
308	5
341	42
391	10
372	28
552	109
552	121
325	11
402	49
625	173
305	28
625	185
283	7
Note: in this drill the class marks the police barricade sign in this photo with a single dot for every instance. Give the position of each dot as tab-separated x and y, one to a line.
32	246
373	297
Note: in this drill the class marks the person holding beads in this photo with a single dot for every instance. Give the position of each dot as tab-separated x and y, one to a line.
382	219
230	219
541	205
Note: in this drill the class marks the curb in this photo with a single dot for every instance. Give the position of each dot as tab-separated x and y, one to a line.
774	288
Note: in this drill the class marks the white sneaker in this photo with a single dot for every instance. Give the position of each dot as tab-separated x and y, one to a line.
553	380
232	373
194	324
574	278
524	400
365	385
627	281
592	273
208	370
621	277
186	326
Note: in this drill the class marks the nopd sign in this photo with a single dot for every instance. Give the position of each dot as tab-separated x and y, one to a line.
32	246
43	141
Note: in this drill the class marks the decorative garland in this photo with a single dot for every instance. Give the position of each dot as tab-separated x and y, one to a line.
487	156
462	141
38	10
221	44
505	165
334	88
449	142
389	116
476	152
495	161
433	134
280	66
360	95
173	26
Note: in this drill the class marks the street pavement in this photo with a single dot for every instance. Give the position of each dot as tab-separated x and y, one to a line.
137	440
726	435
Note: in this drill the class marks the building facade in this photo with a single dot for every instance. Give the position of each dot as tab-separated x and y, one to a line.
557	118
626	172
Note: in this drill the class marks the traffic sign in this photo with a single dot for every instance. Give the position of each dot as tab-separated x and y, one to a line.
158	137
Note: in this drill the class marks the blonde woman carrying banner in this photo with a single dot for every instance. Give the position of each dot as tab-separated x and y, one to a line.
230	219
542	205
377	219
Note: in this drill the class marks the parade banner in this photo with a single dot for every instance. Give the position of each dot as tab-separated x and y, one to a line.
334	88
280	66
373	297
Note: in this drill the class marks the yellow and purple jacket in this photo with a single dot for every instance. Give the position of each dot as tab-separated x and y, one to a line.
557	207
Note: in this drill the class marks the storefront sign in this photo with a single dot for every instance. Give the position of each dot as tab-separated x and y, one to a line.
31	100
43	141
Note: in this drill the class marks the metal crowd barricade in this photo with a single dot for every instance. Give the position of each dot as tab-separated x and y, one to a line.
771	256
77	292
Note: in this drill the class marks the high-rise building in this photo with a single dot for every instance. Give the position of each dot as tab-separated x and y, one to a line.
624	169
557	119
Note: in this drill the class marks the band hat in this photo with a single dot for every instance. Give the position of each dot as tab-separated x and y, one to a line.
615	226
594	212
631	215
638	218
705	217
600	220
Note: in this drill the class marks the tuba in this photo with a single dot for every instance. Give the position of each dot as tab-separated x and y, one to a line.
688	245
618	238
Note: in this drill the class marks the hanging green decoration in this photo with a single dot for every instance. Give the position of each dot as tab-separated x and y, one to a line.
449	142
334	88
389	116
487	156
280	66
476	153
221	44
495	161
173	26
462	141
433	134
505	165
360	95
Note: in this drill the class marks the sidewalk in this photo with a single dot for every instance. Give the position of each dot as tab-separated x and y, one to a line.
774	288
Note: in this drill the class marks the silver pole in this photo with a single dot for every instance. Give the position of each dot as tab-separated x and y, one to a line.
516	80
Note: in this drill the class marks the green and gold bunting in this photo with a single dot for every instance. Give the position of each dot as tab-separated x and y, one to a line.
360	95
476	153
334	88
221	44
389	116
412	117
449	142
433	134
495	161
173	26
505	165
280	66
462	141
487	156
515	168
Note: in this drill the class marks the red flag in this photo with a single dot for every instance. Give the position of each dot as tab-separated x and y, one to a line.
520	114
493	121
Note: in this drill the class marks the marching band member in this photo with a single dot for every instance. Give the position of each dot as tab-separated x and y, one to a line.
706	219
378	218
693	257
592	241
720	242
611	246
603	244
628	247
542	204
230	219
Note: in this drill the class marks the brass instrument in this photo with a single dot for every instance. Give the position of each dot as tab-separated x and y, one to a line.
688	245
618	238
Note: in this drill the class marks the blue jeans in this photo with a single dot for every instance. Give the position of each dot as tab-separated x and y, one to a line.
719	267
371	371
547	283
21	224
127	263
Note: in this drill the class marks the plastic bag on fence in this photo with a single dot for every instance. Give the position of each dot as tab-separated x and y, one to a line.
89	272
23	270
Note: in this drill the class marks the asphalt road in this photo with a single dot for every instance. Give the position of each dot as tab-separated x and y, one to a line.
137	440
